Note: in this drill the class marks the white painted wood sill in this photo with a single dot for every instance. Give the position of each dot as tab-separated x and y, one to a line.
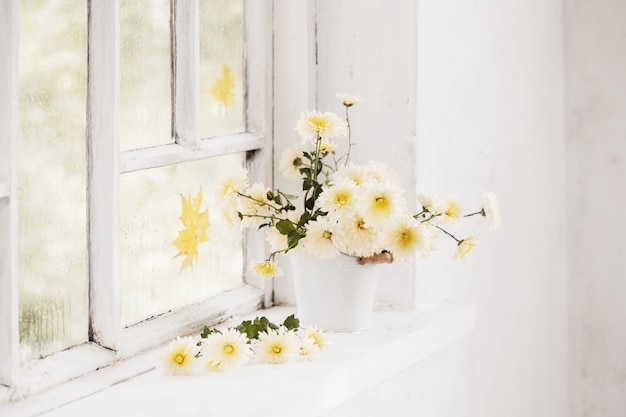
353	363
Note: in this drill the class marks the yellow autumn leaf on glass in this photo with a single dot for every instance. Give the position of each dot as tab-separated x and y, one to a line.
196	224
223	87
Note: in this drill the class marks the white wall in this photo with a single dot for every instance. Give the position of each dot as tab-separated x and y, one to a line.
596	175
490	114
474	92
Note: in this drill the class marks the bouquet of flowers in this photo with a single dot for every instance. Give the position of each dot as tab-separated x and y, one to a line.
354	209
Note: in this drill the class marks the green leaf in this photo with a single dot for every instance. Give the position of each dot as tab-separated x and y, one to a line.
292	240
308	183
263	323
249	329
285	226
207	331
292	323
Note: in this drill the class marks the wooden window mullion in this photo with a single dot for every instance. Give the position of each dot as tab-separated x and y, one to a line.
9	88
103	161
185	74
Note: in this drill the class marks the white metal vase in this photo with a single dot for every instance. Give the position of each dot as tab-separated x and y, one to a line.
335	295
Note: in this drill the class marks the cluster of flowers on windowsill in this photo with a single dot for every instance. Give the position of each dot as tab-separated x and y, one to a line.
232	348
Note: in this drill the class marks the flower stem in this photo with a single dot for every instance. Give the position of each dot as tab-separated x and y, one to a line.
349	136
259	202
481	212
448	233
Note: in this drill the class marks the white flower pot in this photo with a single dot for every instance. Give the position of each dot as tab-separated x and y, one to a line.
335	295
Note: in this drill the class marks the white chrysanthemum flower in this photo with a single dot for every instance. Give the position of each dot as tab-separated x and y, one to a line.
339	199
358	238
348	100
225	351
233	183
319	239
277	346
266	269
380	172
290	162
491	210
179	356
308	349
254	205
430	203
319	337
357	173
452	211
464	247
380	201
327	147
406	237
314	124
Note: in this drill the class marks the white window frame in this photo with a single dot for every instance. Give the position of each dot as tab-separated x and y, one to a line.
108	340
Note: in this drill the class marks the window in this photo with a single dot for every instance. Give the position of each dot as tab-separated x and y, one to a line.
129	112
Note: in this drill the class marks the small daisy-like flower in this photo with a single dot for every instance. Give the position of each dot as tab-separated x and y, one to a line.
314	124
179	356
407	237
339	199
464	247
358	238
318	337
256	204
381	172
232	184
491	210
380	202
348	100
327	147
308	348
290	162
356	173
430	203
452	211
277	346
227	350
267	269
319	239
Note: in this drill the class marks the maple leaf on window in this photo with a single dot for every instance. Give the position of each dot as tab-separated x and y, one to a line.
223	87
196	224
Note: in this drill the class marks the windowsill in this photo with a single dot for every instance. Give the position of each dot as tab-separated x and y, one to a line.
353	363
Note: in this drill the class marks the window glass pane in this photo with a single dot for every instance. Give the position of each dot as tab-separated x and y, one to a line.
221	67
145	87
53	291
166	211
